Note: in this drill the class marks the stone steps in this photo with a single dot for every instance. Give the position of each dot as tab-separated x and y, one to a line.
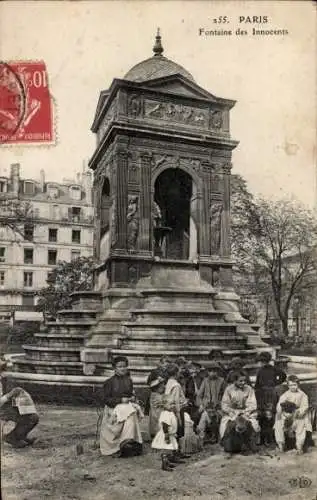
59	340
175	328
172	345
44	353
86	300
187	315
69	327
77	315
48	367
152	357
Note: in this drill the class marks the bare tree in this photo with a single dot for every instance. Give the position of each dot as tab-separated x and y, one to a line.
15	214
279	250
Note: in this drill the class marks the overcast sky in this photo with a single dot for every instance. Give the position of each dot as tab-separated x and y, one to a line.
87	44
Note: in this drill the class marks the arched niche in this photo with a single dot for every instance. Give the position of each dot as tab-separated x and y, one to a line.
104	214
173	193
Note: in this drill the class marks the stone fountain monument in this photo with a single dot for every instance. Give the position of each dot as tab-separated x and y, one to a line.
164	285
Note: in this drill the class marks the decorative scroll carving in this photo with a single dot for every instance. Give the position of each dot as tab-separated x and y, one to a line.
134	105
133	220
215	278
226	169
215	217
216	119
132	274
159	159
156	215
133	170
217	183
176	112
190	163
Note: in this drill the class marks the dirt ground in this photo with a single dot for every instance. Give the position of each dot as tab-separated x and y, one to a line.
53	469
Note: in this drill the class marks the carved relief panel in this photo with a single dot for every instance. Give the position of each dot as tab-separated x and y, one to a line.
133	170
178	113
110	116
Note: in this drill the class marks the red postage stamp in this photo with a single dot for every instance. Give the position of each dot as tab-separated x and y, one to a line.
26	111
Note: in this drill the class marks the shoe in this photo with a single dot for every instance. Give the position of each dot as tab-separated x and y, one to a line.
176	460
30	441
166	465
15	443
171	463
20	444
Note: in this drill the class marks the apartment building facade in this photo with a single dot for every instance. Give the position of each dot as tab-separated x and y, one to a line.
61	228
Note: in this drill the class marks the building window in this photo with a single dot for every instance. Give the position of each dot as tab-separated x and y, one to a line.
2	278
55	212
52	257
74	214
75	236
52	234
49	278
28	232
75	254
28	187
52	191
3	186
28	278
75	192
28	256
2	254
28	300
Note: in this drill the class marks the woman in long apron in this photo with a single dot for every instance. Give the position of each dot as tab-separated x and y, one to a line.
120	432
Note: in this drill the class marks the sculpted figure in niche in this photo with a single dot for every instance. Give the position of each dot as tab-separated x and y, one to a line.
156	215
215	226
133	221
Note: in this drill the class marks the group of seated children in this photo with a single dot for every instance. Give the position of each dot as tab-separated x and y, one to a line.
188	405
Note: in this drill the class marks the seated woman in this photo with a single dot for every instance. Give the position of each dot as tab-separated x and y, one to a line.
292	415
239	410
120	432
209	398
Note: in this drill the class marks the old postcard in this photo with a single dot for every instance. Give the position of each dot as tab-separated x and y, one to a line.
158	232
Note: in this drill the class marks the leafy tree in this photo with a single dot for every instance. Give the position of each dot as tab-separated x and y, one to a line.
278	252
66	277
15	214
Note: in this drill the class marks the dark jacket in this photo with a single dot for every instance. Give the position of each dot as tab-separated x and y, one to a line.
116	388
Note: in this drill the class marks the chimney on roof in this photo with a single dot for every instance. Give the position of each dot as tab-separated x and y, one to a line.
86	182
42	180
15	177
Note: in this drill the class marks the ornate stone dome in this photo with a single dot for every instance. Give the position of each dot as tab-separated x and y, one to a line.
156	66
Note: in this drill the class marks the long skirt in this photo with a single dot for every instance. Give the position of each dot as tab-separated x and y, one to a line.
112	434
154	413
226	419
267	398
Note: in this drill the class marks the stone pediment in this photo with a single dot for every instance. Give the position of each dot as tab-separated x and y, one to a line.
103	96
180	85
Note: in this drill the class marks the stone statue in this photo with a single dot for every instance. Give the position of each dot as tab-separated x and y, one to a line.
156	215
133	221
215	214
